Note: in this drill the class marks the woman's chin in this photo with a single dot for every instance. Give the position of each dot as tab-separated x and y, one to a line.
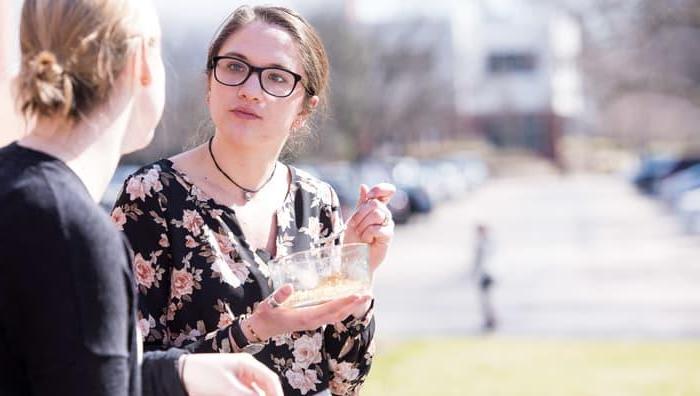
249	138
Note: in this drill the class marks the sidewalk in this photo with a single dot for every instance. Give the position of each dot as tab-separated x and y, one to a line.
577	256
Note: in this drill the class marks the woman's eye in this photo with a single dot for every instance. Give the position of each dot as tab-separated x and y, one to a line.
235	66
277	77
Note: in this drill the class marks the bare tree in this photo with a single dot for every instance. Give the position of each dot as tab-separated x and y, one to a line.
641	65
392	84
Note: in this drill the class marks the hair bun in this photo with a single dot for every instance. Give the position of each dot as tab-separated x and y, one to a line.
47	87
46	67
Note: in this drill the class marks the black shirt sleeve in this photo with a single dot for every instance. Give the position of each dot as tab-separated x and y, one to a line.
159	373
67	300
63	299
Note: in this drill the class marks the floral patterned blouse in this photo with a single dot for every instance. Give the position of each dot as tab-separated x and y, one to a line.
198	277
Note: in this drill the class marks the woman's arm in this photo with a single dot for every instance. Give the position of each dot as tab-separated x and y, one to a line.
141	212
349	345
349	348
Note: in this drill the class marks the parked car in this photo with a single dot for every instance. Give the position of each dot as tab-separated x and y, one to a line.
473	169
406	173
654	169
672	187
688	209
442	180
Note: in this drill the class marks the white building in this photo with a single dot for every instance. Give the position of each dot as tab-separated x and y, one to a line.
516	78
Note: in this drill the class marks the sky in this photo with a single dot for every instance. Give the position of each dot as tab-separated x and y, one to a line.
209	13
213	11
366	10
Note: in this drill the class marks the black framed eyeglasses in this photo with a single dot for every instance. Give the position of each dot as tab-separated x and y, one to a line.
276	81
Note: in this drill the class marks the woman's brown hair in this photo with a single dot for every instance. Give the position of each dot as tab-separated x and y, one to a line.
314	59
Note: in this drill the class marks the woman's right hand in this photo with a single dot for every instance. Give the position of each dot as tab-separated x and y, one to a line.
271	319
219	374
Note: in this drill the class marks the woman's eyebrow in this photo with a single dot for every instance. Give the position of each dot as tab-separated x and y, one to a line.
245	58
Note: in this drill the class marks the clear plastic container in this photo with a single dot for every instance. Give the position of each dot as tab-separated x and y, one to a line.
323	274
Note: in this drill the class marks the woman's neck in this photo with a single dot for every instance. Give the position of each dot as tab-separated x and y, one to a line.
250	168
91	148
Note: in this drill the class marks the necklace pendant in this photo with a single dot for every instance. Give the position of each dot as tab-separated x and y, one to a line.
247	195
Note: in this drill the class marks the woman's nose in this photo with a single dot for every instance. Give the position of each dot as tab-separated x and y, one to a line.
251	88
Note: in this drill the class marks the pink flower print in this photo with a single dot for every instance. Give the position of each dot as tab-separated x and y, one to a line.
192	222
190	242
181	284
144	272
136	188
303	380
119	218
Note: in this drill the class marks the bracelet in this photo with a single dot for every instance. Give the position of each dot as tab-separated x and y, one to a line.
256	337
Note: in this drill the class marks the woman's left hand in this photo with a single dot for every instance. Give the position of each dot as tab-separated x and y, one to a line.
372	223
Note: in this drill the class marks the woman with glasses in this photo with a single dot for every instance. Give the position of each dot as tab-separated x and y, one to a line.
204	223
92	83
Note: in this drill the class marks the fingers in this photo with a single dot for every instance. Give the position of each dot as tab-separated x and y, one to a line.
269	321
370	200
382	191
375	220
230	373
331	312
265	381
258	389
363	195
280	295
254	378
377	233
237	388
362	212
371	213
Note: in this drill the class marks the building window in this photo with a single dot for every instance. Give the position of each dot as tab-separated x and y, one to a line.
511	62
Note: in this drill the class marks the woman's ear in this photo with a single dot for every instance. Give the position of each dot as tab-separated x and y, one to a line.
145	69
306	112
311	105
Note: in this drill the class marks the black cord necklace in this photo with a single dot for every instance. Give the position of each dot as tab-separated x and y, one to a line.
248	194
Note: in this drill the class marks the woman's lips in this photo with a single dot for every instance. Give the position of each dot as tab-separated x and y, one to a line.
245	114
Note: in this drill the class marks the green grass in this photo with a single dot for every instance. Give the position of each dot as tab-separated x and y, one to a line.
496	366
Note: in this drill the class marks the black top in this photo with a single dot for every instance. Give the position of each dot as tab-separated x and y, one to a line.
67	302
198	277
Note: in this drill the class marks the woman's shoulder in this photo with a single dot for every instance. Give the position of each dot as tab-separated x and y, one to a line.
158	177
154	168
312	184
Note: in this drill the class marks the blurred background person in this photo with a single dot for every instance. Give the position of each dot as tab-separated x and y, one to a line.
482	277
92	78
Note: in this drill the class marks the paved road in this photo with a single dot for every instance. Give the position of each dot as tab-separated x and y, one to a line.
576	256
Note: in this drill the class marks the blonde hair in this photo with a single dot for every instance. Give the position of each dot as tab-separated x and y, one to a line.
72	52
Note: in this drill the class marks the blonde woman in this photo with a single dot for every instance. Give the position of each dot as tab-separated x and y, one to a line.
92	80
